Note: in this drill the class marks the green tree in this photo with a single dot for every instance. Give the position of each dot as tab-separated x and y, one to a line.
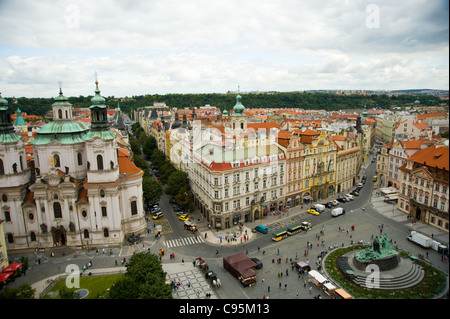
144	279
158	158
151	190
149	145
140	162
184	197
176	181
24	291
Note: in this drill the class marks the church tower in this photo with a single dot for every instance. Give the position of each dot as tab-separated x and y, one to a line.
13	164
101	144
238	118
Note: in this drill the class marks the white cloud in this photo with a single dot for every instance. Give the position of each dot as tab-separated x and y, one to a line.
202	46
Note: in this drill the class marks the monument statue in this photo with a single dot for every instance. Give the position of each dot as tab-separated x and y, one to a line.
381	248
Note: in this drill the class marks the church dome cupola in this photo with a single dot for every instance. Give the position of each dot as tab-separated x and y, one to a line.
62	109
238	107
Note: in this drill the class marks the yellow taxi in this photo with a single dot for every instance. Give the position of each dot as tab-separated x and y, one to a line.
183	217
312	211
158	215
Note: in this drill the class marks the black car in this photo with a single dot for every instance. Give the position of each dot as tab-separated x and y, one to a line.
341	199
172	200
328	205
258	263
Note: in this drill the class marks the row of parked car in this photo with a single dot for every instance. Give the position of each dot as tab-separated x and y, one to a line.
336	211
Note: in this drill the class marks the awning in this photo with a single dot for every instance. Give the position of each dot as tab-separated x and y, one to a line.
307	197
12	267
297	197
4	276
289	199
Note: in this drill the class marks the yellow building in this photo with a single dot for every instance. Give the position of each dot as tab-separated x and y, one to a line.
319	169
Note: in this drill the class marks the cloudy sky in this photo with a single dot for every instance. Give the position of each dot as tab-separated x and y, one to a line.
196	46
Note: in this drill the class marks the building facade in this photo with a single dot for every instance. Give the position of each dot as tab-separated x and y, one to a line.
424	186
85	190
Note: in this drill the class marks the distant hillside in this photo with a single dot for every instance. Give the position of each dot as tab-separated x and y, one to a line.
305	100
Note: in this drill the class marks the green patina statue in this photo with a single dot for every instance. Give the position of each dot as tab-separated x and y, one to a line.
380	248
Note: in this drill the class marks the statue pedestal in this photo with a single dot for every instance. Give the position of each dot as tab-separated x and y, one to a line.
385	263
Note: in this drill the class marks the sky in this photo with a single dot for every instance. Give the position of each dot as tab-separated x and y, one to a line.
214	46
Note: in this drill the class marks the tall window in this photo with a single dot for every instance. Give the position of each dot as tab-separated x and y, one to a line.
134	208
86	233
99	162
104	211
57	210
2	168
80	158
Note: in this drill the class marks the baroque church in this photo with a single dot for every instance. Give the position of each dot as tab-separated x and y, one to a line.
83	190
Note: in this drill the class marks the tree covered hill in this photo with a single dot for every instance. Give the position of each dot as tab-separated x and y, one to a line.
314	101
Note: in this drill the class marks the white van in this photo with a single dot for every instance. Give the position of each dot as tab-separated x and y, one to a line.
319	207
349	196
337	211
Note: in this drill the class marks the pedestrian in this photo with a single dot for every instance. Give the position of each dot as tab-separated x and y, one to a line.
262	280
285	286
304	283
310	290
268	288
279	285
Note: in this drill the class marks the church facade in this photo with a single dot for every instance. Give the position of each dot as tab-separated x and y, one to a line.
83	190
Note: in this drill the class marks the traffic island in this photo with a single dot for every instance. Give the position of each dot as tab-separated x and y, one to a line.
409	279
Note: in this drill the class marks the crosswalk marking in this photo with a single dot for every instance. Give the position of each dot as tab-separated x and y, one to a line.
178	242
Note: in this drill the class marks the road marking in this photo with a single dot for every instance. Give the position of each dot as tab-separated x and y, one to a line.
185	241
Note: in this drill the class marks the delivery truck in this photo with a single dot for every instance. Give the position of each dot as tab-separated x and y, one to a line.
240	266
337	211
420	239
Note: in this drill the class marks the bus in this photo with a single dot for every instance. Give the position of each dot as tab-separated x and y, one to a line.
295	229
279	235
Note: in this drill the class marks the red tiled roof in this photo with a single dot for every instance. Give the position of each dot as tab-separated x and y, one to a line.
432	156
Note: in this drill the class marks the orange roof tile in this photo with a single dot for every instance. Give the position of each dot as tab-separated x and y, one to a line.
433	156
127	167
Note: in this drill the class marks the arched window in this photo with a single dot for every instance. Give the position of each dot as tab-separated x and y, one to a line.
80	158
57	210
20	162
86	233
60	114
10	238
57	161
32	236
99	162
105	232
2	168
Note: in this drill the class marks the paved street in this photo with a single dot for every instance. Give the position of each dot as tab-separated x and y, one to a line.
186	246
